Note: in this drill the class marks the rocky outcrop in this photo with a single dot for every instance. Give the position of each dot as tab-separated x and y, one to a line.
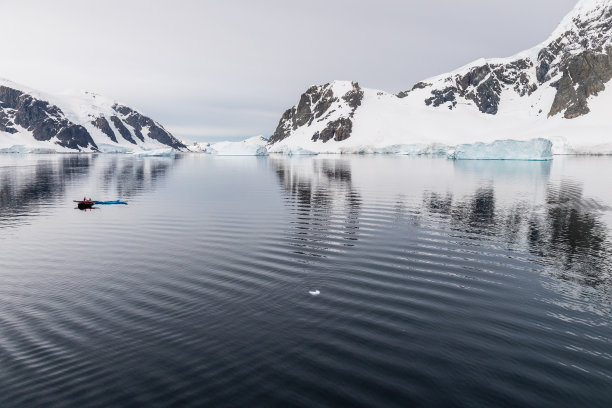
482	85
102	124
418	85
584	75
155	130
337	130
123	131
313	104
325	103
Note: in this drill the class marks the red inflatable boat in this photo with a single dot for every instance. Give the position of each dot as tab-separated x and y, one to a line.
84	203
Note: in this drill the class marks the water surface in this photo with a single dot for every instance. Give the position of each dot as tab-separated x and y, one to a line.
440	283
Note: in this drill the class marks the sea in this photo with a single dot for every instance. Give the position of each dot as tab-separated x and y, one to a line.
315	281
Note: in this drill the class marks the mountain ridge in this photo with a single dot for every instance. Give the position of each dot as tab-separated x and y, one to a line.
562	77
83	121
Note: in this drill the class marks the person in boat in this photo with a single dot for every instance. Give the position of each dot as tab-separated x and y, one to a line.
89	198
84	198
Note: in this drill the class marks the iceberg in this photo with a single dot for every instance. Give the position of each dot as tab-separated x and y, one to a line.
534	149
169	152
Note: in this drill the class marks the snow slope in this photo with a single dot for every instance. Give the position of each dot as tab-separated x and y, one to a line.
74	121
557	90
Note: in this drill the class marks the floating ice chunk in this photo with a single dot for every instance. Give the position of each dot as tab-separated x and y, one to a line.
169	152
534	149
315	292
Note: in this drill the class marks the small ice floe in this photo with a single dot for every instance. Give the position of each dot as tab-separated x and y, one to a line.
315	292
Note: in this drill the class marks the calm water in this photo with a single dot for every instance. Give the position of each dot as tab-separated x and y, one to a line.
441	283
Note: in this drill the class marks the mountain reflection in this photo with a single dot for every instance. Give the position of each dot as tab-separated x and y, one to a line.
29	183
326	206
571	236
565	232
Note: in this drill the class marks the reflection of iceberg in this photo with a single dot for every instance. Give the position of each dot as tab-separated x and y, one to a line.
169	152
535	149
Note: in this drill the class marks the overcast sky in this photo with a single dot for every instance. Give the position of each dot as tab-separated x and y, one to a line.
211	70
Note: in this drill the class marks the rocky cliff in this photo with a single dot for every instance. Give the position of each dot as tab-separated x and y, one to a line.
81	122
548	90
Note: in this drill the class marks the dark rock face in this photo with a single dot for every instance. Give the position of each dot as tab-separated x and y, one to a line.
442	96
44	120
123	131
317	104
338	130
483	86
283	130
102	124
5	123
74	137
139	121
584	75
354	98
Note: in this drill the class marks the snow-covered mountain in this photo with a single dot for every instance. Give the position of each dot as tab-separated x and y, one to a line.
556	90
31	120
